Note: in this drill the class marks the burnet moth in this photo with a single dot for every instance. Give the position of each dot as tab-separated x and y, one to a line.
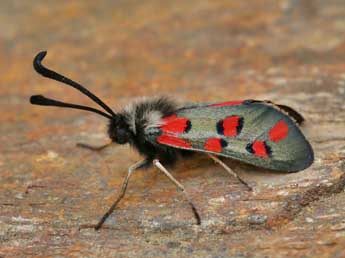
260	133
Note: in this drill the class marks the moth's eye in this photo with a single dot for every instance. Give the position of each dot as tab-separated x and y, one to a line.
119	132
122	136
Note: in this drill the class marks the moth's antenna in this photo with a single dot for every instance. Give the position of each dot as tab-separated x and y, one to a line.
43	101
38	66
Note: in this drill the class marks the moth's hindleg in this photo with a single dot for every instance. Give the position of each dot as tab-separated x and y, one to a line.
229	170
179	186
93	148
131	169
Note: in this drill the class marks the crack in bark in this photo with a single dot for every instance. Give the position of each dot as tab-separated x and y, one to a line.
296	203
330	139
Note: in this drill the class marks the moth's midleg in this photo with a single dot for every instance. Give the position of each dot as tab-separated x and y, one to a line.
179	186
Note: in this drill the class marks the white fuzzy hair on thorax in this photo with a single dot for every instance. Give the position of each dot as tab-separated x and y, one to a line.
151	117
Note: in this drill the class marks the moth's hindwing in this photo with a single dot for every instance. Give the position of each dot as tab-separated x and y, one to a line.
250	131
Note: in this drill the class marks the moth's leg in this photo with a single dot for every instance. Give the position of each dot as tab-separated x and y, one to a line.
180	187
131	169
229	170
93	148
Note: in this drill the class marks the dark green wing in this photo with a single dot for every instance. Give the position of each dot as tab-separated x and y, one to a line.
254	132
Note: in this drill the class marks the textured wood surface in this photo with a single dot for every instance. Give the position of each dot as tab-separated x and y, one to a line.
291	52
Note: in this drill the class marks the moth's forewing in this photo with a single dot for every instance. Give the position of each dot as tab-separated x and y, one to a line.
261	134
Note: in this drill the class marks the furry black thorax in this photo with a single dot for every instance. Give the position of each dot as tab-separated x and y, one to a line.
130	126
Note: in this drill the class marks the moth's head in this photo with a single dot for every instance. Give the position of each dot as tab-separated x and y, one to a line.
119	131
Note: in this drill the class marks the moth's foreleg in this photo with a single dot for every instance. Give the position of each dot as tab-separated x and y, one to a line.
131	169
93	148
179	186
229	170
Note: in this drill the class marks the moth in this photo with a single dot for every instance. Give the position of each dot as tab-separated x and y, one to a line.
256	132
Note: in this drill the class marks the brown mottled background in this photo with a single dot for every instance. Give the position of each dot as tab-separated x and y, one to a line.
289	51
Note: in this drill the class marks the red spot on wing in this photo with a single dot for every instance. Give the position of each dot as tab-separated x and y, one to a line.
215	144
231	125
174	124
228	103
173	141
279	131
260	149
